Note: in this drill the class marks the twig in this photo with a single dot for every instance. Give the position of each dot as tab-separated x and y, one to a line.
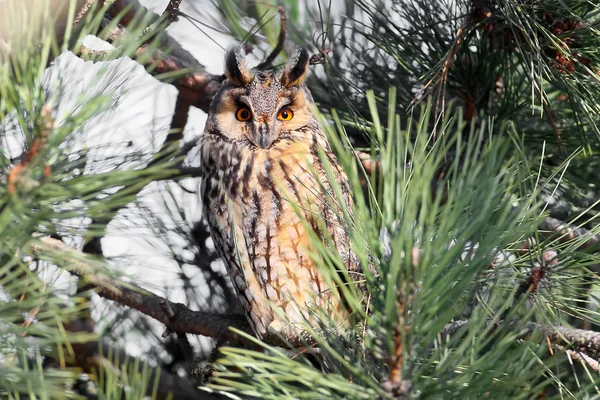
44	124
95	55
538	271
132	7
172	10
179	319
319	57
280	40
584	358
369	164
83	11
169	15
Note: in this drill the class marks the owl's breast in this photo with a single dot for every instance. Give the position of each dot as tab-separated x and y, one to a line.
263	201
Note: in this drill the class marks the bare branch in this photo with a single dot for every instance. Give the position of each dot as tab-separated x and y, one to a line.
176	50
178	318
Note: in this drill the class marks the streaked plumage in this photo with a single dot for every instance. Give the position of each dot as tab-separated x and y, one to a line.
258	150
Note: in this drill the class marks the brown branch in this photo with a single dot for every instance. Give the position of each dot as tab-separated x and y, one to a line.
179	318
567	233
131	7
197	89
280	40
90	355
167	42
194	89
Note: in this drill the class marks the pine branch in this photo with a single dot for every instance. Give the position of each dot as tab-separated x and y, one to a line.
91	356
566	233
169	15
134	7
35	15
175	316
83	11
581	340
579	356
193	89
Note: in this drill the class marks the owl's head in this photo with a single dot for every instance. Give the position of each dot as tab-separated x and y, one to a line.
260	107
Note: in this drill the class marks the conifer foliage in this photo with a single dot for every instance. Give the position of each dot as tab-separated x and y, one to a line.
468	130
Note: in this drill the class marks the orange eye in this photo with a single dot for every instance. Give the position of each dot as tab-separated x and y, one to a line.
243	114
285	115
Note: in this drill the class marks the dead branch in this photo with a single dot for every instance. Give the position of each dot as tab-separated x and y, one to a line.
167	42
172	10
178	318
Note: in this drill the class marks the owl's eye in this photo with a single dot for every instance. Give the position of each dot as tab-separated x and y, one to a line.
243	114
285	115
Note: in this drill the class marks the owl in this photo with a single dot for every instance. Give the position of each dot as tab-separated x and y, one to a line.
264	186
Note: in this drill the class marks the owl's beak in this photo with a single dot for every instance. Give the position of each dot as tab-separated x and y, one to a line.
265	136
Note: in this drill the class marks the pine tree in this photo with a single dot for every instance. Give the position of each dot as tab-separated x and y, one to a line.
469	133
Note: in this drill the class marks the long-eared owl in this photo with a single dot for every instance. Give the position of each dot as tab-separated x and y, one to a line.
262	177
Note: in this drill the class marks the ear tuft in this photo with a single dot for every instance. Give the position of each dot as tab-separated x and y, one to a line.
235	67
296	71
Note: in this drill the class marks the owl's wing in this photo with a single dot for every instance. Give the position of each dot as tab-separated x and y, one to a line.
231	244
330	208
